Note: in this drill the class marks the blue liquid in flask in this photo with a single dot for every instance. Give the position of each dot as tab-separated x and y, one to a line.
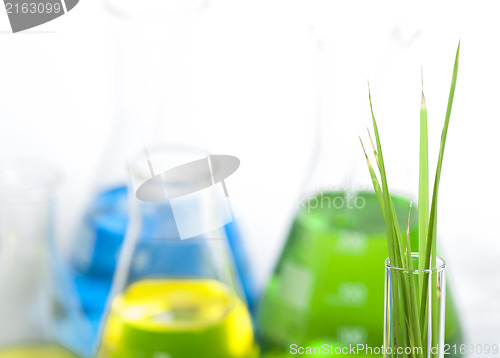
96	257
96	253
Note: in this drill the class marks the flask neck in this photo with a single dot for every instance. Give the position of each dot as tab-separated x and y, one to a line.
335	165
150	81
343	112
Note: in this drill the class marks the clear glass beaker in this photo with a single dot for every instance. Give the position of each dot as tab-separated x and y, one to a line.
39	313
174	295
412	328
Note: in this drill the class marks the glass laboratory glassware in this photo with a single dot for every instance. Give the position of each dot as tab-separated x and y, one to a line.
397	334
175	295
328	282
39	315
150	40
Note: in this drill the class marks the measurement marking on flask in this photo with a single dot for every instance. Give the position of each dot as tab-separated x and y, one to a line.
352	334
352	243
161	355
349	294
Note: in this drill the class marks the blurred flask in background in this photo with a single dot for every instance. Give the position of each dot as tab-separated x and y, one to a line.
39	313
329	280
151	39
176	293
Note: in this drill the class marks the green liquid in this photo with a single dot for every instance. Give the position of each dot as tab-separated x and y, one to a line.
329	281
36	351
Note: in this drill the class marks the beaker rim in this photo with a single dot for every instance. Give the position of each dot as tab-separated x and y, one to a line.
27	179
440	265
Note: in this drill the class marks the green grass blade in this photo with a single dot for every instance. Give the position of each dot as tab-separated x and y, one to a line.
423	188
408	240
380	197
430	254
432	229
395	223
414	288
375	182
374	150
392	239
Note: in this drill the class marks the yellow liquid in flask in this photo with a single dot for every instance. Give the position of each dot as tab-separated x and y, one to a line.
164	318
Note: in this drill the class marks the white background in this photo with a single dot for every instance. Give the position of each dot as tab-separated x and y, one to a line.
252	94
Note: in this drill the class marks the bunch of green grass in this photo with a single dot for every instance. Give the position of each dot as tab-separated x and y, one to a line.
415	294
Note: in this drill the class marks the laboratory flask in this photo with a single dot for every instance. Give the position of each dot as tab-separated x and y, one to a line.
329	279
39	313
149	43
176	292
